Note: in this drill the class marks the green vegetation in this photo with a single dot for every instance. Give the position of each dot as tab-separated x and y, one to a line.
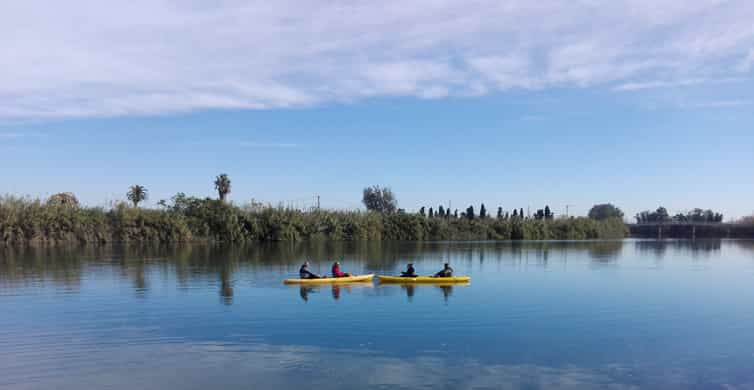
186	218
696	215
137	194
605	211
380	199
222	185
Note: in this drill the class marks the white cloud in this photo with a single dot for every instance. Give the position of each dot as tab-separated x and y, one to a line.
418	78
159	56
656	84
504	71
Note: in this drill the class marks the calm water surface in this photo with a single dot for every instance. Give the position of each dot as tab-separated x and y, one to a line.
631	314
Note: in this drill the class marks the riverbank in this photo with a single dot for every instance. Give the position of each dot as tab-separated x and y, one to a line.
24	221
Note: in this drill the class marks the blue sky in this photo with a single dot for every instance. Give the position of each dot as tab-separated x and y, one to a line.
637	103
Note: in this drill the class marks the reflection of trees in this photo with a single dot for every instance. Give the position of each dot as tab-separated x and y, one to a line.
226	283
132	260
692	248
712	245
66	266
651	248
605	251
61	265
744	244
140	280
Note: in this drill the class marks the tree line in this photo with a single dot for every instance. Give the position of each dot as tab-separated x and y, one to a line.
382	200
696	215
469	213
185	218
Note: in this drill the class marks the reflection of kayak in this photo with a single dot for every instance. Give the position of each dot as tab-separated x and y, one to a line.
423	279
426	284
361	283
348	279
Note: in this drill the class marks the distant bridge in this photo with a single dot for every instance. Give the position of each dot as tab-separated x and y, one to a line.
677	229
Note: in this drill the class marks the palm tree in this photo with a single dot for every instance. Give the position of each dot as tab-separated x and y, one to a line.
222	185
136	194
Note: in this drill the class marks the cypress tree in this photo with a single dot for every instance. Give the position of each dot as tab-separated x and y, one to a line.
499	213
441	211
431	214
548	213
515	213
470	212
521	213
482	212
421	211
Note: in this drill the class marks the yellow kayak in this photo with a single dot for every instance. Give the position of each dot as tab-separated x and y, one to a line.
347	279
423	279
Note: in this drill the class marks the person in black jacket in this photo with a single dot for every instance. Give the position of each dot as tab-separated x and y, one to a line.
446	272
304	272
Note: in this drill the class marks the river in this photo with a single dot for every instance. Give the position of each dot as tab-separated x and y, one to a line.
610	314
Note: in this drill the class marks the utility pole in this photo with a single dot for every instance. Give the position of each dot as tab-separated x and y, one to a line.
317	202
568	205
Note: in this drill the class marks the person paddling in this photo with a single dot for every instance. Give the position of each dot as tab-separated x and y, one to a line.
337	273
304	272
410	271
446	272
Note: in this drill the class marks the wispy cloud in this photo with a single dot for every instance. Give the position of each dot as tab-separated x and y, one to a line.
638	86
159	56
655	84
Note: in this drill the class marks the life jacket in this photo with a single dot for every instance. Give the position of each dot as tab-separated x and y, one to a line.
336	271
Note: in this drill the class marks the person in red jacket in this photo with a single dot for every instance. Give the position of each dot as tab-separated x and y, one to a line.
337	273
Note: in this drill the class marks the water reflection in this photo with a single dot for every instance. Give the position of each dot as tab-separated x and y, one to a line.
211	365
447	291
65	267
336	290
410	289
226	281
304	292
539	315
605	251
693	248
